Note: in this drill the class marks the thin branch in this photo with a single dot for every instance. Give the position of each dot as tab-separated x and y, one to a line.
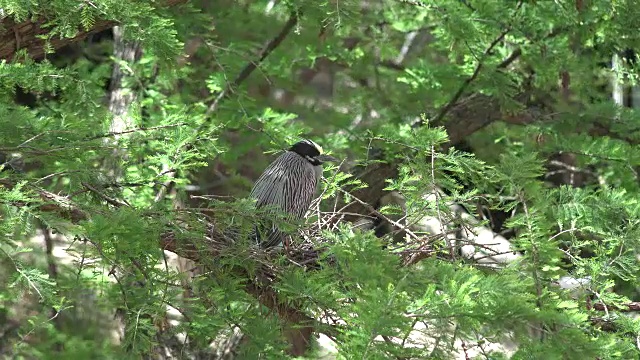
251	66
140	129
511	58
470	79
166	187
110	200
380	215
443	112
518	51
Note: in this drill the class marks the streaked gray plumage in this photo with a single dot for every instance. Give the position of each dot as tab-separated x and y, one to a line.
289	184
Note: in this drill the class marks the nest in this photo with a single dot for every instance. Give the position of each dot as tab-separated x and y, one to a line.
308	247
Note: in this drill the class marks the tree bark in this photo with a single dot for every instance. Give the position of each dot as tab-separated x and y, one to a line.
120	99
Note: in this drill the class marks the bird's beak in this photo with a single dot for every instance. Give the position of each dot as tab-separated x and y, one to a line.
325	158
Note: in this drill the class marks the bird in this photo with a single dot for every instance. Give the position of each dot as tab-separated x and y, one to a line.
288	185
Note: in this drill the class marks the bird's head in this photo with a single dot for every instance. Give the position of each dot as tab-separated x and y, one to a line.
311	151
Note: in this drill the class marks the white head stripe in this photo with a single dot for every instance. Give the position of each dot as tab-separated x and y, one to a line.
314	145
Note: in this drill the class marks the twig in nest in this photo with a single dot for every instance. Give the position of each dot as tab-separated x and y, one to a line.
379	214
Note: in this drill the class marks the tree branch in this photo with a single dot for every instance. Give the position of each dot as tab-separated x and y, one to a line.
251	66
470	79
297	326
628	307
29	35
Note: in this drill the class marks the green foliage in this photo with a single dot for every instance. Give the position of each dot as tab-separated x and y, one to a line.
117	199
